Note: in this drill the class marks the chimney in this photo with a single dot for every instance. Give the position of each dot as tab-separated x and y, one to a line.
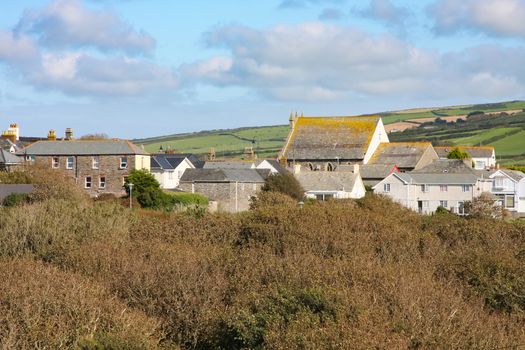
356	168
51	136
12	134
69	134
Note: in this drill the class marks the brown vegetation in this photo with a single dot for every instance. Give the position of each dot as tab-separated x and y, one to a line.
339	274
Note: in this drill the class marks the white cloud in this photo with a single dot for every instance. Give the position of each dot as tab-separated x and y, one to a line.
69	24
386	11
319	61
501	17
16	48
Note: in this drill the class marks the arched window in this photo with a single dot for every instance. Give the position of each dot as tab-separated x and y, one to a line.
311	166
329	167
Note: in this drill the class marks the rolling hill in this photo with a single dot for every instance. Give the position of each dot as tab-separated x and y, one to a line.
504	131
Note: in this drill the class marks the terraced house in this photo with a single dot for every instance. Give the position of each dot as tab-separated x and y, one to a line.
98	166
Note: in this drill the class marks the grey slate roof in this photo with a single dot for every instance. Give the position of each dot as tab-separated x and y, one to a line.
165	161
442	166
229	165
329	138
516	175
225	175
441	179
82	147
8	158
402	154
473	151
327	180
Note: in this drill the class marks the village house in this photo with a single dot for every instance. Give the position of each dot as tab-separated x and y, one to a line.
169	168
509	188
325	185
323	143
483	157
447	183
269	164
11	141
231	189
98	166
8	161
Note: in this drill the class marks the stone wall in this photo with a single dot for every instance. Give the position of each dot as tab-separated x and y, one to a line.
109	168
231	197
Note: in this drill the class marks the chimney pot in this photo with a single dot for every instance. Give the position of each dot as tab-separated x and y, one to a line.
69	134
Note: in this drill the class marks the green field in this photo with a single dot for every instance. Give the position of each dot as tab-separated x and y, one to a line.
504	133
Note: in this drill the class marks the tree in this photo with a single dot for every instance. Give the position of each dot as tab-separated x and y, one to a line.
456	153
484	206
146	189
284	183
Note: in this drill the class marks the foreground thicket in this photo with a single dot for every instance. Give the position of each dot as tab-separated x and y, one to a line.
341	274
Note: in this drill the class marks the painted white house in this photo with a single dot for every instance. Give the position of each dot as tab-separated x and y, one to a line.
324	185
169	168
273	165
509	187
483	157
446	183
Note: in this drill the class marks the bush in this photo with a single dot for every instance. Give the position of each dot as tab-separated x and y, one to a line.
188	199
286	184
456	153
15	199
484	206
442	210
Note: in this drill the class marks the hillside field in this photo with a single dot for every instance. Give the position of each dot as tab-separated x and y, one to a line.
508	138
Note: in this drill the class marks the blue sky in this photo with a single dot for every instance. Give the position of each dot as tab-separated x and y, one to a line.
138	68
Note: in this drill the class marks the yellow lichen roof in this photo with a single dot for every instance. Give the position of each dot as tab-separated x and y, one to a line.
402	154
474	151
330	137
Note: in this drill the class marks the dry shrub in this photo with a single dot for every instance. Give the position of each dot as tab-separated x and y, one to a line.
50	228
42	307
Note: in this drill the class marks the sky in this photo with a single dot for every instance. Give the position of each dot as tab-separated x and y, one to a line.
142	68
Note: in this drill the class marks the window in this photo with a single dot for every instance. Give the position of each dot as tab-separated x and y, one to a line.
255	187
465	188
123	162
443	188
386	188
170	175
95	162
425	204
30	158
499	182
480	164
87	183
424	188
55	162
444	204
509	201
70	162
102	182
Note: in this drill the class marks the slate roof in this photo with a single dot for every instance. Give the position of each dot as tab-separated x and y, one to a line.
229	165
8	158
197	163
82	147
327	180
402	154
473	151
225	175
330	138
516	175
445	166
166	161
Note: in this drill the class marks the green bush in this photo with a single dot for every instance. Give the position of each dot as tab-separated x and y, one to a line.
15	199
187	199
284	183
456	153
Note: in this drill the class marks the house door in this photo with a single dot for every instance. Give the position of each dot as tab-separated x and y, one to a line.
419	206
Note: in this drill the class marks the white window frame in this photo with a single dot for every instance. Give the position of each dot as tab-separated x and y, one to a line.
443	188
461	208
30	158
499	182
102	184
255	187
425	188
513	201
465	188
55	162
86	182
386	187
443	203
170	175
425	204
70	166
95	162
123	162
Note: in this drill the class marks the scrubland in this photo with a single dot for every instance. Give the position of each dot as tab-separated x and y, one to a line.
337	275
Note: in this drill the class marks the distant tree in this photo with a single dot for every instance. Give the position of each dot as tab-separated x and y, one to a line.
456	153
284	183
100	136
439	120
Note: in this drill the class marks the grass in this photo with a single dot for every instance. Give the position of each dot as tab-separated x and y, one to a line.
511	145
481	136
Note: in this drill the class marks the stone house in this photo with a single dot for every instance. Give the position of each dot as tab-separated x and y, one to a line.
483	157
168	169
406	156
8	161
232	189
324	185
323	143
446	183
98	166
